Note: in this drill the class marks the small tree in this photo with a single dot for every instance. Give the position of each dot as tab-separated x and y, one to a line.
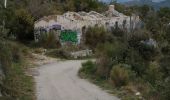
23	25
119	76
96	35
49	40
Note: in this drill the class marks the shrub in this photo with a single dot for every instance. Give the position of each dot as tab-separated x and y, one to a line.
5	56
165	65
58	53
153	73
22	25
109	54
15	84
49	40
163	89
15	51
9	53
116	31
96	35
104	67
139	65
134	39
88	68
119	76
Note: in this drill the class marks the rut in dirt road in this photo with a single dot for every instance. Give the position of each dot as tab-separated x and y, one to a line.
59	81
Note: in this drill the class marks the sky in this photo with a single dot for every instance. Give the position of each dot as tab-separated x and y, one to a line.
130	0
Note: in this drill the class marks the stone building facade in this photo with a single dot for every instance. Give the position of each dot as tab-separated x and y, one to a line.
76	21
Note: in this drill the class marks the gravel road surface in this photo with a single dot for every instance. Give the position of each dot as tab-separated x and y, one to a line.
59	81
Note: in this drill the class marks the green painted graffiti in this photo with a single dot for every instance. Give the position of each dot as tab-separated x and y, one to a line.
68	36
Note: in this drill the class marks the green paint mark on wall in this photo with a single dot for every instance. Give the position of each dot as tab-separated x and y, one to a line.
68	36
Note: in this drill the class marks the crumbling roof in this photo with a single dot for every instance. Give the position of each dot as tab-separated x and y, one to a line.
85	16
82	13
77	16
96	14
47	18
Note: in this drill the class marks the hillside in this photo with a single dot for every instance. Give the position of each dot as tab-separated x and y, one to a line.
156	5
132	63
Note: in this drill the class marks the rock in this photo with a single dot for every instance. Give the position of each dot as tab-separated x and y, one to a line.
137	93
82	53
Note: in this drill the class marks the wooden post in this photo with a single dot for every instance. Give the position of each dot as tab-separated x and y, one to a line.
5	3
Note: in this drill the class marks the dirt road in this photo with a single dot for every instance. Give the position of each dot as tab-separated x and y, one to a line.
59	81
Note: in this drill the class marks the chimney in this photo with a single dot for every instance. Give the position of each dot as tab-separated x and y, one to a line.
111	7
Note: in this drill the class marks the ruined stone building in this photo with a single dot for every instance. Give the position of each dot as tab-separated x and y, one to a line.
77	21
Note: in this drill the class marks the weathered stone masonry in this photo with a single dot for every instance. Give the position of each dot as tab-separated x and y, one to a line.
76	21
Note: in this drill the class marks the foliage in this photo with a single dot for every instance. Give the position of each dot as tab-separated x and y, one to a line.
96	35
9	53
58	53
152	22
103	67
123	9
23	27
18	23
164	14
15	85
116	31
19	16
167	33
150	64
49	40
144	10
88	68
139	65
119	76
5	56
87	5
153	73
164	89
145	52
136	37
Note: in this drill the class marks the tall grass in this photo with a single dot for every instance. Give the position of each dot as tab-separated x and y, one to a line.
15	85
119	76
49	40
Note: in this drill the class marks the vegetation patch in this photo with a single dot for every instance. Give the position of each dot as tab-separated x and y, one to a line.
16	85
88	71
134	63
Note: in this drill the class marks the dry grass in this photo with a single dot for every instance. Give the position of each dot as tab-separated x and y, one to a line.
16	85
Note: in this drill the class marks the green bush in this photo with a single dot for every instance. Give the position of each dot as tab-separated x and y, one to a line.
96	35
109	54
22	25
163	89
5	56
104	66
15	84
153	73
119	76
138	64
88	68
16	52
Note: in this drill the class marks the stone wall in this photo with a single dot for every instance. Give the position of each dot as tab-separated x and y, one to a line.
75	21
81	54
